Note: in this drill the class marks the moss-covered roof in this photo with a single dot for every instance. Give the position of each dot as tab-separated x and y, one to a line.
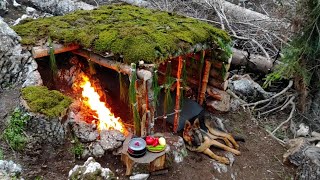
40	99
134	32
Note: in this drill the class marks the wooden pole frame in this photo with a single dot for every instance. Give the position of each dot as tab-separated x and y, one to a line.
177	106
205	80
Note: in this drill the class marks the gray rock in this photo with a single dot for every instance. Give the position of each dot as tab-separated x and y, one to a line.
247	89
60	7
111	139
30	10
139	177
177	151
219	167
9	169
17	66
42	129
97	150
90	170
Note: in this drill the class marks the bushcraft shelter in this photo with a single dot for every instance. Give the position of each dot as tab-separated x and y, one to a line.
160	51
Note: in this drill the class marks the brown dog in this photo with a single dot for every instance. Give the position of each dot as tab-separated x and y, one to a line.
200	141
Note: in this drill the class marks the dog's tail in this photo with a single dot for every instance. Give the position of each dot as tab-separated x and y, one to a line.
239	138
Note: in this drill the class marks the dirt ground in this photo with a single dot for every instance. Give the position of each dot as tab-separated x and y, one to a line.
260	159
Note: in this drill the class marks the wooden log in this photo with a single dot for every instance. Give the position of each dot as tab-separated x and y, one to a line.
104	61
220	65
214	93
222	85
43	51
253	62
216	74
177	107
204	81
190	80
203	53
219	106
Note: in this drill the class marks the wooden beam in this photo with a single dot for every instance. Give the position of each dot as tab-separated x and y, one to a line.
43	51
177	107
104	61
204	81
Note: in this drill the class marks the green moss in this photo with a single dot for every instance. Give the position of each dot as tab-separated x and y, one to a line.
134	32
49	102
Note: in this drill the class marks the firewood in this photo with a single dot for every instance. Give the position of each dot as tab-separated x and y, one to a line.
220	65
216	74
214	93
219	106
222	85
43	51
204	81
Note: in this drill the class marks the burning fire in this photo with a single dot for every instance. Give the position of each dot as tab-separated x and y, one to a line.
92	100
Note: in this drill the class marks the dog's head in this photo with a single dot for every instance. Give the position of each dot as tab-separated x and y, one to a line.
192	133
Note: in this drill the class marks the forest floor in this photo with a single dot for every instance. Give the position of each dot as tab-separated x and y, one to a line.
261	156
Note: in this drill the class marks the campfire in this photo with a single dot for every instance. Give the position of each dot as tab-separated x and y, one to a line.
91	99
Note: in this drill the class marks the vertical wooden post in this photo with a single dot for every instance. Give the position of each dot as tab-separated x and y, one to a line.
138	106
205	80
177	107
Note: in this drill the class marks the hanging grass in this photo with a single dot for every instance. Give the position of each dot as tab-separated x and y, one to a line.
136	33
133	100
168	103
155	86
53	63
92	69
122	88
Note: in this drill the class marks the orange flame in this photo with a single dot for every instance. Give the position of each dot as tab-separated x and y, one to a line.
107	120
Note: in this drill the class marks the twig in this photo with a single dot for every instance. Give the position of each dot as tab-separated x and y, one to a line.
290	116
282	143
276	108
273	97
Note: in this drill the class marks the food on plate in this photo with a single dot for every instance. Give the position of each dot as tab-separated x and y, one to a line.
162	141
150	140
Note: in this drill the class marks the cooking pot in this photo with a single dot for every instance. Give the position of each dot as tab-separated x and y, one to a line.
137	147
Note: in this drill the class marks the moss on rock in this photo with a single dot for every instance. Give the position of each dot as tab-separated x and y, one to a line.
48	102
134	32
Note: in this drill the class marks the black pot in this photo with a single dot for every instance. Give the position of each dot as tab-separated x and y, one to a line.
137	147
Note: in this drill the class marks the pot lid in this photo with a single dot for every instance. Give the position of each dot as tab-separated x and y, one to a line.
137	144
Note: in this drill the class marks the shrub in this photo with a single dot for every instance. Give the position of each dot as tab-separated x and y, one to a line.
14	132
78	148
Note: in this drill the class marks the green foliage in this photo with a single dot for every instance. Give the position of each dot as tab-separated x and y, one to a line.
77	148
155	86
14	132
133	100
53	63
1	155
300	59
168	103
134	32
49	102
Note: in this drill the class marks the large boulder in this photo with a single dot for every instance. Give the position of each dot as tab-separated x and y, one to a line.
17	67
